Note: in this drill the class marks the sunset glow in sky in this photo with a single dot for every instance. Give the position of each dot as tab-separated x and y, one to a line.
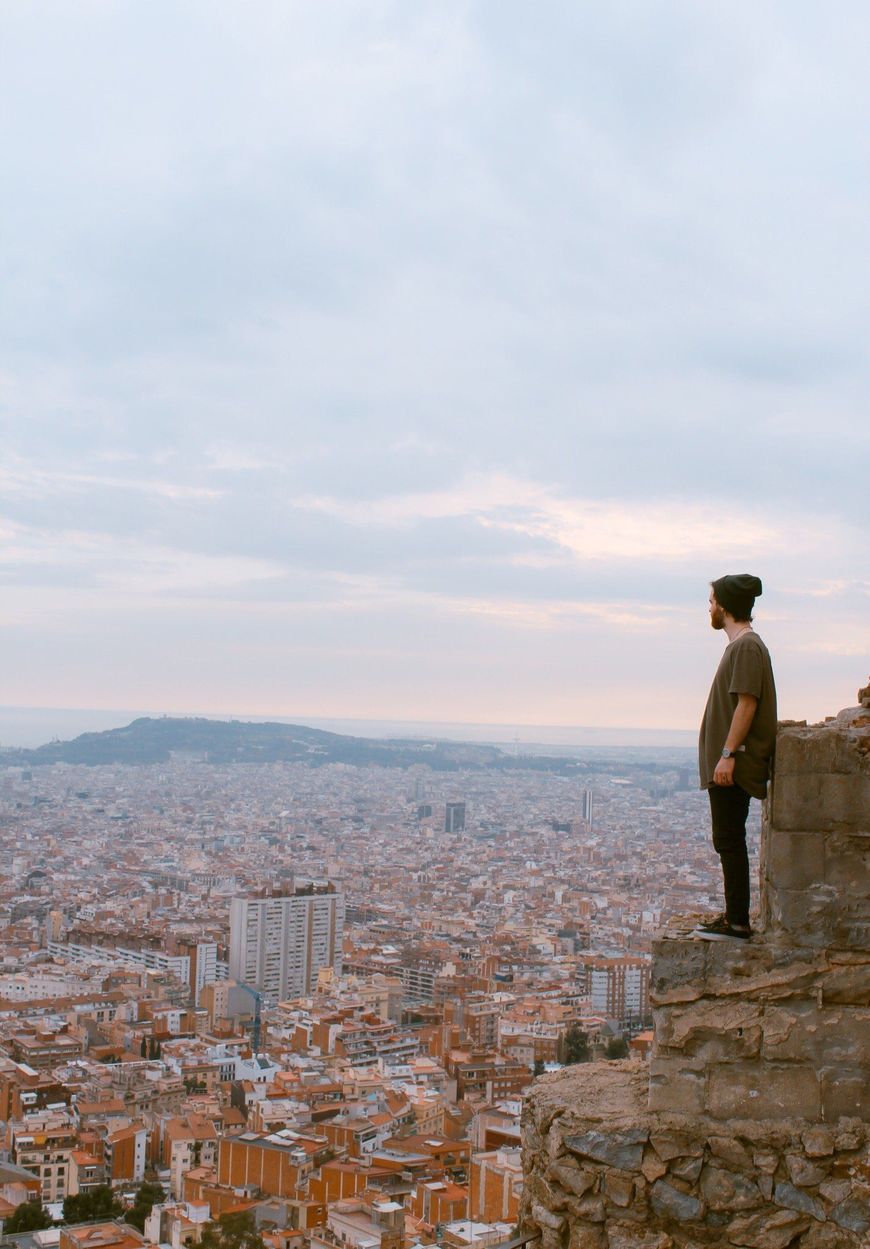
427	361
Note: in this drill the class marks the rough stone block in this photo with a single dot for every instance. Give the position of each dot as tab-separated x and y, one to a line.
621	1236
678	970
835	1191
687	1169
730	1152
814	750
738	963
669	1202
793	1198
764	847
652	1167
585	1237
546	1218
812	917
802	1031
845	1093
618	1188
847	1036
806	913
827	1236
670	1145
803	1172
762	970
574	1180
767	1231
711	1029
763	1091
795	860
544	1194
590	1208
852	1214
854	933
847	984
622	1148
847	864
821	802
850	1134
765	1161
723	1190
677	1084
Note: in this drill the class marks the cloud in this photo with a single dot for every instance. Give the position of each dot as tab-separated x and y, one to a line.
587	529
235	458
105	564
29	480
439	322
829	589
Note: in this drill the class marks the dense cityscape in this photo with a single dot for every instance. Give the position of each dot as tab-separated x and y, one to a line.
434	808
310	998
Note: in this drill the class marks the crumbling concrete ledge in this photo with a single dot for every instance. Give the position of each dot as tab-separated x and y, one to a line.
751	1125
760	1029
604	1172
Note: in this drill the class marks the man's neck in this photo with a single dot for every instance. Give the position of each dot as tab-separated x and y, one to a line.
734	628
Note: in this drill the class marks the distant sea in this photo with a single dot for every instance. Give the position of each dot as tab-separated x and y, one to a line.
33	726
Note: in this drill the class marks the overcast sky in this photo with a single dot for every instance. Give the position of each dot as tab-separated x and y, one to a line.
427	359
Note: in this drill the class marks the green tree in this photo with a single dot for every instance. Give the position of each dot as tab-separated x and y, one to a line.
575	1046
540	1066
617	1047
30	1216
97	1203
232	1231
143	1047
147	1195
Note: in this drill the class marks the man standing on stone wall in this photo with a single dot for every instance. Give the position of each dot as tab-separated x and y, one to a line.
738	732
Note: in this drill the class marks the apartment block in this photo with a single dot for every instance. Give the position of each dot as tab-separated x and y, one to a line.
42	1145
125	1152
496	1185
278	944
618	987
277	1164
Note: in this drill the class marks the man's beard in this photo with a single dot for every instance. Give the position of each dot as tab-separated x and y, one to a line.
717	619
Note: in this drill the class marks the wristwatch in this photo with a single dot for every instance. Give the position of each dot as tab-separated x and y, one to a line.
728	754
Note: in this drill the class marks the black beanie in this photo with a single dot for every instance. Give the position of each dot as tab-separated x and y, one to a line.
737	593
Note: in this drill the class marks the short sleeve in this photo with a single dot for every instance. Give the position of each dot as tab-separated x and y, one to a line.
747	671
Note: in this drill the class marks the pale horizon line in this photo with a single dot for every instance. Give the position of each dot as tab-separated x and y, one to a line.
424	726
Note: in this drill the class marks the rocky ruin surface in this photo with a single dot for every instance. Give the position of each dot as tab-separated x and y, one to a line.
751	1125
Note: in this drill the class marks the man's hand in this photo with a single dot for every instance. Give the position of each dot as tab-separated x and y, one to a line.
741	722
724	772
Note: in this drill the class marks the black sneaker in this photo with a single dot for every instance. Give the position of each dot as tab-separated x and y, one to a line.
719	929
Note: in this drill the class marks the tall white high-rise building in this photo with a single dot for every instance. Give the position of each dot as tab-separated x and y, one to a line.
617	984
588	808
279	944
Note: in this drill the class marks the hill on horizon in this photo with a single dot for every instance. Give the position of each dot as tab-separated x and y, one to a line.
161	739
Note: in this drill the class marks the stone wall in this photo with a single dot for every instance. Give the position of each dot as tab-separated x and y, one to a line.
815	867
751	1125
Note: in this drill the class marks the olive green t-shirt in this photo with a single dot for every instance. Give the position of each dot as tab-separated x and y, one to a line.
745	669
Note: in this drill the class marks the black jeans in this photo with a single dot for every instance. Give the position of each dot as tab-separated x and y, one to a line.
729	807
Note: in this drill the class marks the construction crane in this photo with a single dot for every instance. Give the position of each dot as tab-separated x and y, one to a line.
258	1002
